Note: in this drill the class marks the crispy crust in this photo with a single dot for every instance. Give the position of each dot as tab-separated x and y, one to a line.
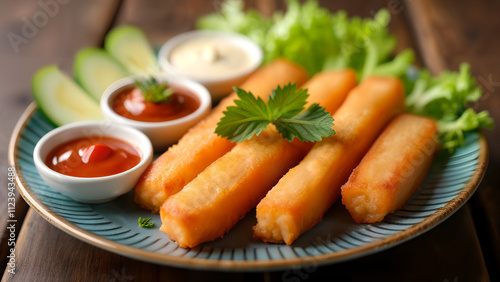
392	170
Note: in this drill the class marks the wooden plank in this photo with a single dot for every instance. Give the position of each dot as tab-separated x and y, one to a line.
449	34
37	33
162	20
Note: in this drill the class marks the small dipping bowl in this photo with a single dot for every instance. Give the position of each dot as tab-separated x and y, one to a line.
92	190
162	133
205	53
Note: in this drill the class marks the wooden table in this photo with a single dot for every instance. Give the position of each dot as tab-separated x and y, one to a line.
466	247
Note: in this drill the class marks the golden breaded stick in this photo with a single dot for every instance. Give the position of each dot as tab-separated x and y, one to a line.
201	146
305	193
330	88
392	170
207	207
225	191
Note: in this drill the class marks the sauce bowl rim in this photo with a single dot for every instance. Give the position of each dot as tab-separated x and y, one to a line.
145	149
251	47
193	87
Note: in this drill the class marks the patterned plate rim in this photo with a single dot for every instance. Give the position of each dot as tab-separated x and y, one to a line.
233	265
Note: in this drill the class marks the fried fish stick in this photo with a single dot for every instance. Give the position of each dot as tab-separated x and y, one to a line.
207	207
223	193
305	193
330	88
392	170
201	146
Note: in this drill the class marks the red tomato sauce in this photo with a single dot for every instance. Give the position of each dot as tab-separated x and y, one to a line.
93	156
131	104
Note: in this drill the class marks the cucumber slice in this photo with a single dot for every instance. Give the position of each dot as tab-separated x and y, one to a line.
130	46
60	99
95	69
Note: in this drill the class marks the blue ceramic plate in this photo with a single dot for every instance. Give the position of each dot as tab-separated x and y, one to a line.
113	226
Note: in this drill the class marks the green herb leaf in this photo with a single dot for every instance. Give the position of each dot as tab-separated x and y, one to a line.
285	110
144	223
287	102
154	91
247	118
311	125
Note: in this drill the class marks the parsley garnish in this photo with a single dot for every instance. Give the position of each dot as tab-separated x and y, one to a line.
154	91
285	109
144	223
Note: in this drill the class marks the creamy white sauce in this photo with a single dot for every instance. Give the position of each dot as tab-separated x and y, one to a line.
210	58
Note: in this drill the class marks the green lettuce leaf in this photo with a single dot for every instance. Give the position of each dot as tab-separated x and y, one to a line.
453	131
445	98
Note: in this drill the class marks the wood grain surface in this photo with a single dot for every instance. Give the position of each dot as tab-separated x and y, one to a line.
466	247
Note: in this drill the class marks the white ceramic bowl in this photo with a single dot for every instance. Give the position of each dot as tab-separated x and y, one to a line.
92	189
220	86
165	133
